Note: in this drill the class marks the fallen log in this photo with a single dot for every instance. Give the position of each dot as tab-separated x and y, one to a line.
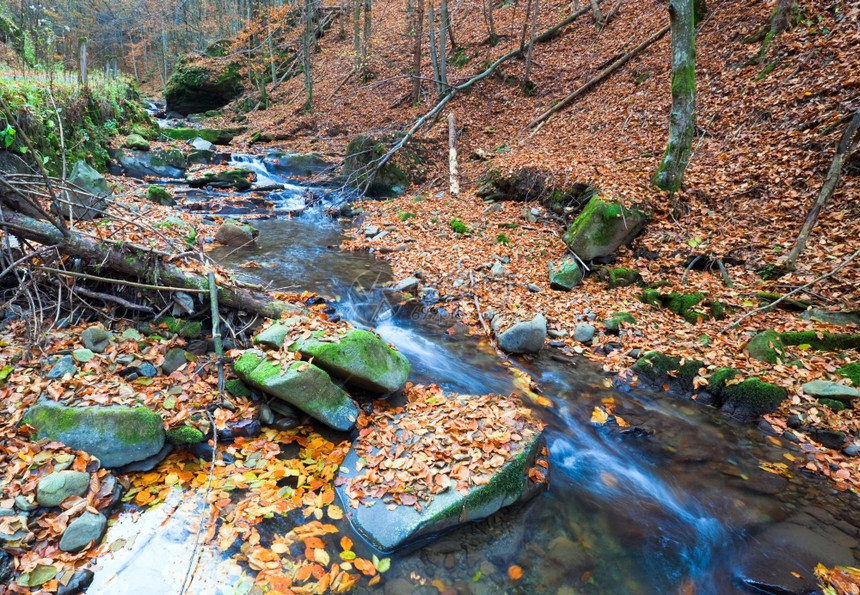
123	259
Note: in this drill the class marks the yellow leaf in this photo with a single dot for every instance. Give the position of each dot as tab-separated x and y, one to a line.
321	557
599	416
335	512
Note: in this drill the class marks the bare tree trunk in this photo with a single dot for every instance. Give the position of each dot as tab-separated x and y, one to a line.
306	55
366	40
452	155
528	66
443	44
847	143
356	33
488	19
434	56
682	119
418	33
596	15
779	21
83	58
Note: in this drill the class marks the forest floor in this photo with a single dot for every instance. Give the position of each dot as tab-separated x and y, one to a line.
768	123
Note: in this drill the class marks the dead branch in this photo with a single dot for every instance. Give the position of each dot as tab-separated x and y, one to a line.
599	78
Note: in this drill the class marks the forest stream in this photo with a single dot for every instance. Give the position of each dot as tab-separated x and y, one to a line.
676	500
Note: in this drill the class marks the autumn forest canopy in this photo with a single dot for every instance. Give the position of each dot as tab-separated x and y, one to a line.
472	296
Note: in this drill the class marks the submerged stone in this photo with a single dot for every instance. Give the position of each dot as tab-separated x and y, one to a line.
302	385
116	435
359	358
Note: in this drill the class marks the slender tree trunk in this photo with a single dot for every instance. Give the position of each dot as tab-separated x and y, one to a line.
306	55
682	119
596	15
488	19
366	41
443	44
434	57
452	156
356	33
83	59
418	34
528	66
780	20
847	143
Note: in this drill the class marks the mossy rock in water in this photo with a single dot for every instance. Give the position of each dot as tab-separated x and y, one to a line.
602	227
820	341
199	87
362	157
752	398
116	435
658	368
766	347
851	372
718	379
565	274
359	358
216	136
184	435
300	384
158	194
187	329
613	324
619	276
239	178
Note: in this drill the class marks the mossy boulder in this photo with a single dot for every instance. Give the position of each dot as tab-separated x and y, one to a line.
719	378
851	372
820	341
613	324
362	157
158	194
92	199
683	305
234	233
564	274
359	358
273	337
752	398
658	368
602	227
297	164
302	385
389	530
239	178
619	276
117	435
766	347
216	136
200	86
160	163
187	329
237	388
135	141
651	297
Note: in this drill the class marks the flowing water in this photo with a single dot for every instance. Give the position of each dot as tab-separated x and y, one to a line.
675	502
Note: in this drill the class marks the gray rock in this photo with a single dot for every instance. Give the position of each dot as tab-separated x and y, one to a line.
116	435
565	274
302	385
388	530
159	163
830	390
371	230
497	270
408	285
174	359
56	487
137	142
533	288
200	144
297	164
273	337
583	332
840	318
95	339
79	582
766	347
359	358
65	365
555	334
21	503
524	337
149	463
147	370
81	531
852	450
90	201
233	233
82	355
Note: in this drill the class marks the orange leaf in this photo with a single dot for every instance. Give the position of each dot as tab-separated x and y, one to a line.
515	572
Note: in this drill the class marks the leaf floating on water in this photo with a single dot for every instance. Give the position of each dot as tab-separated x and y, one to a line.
515	572
599	416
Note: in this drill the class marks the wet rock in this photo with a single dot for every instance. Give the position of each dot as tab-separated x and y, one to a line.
79	582
852	450
160	163
116	435
81	531
565	274
95	339
56	487
408	285
524	337
201	144
158	195
147	464
794	421
239	178
297	164
781	559
174	359
267	418
828	438
92	201
602	227
65	365
301	384
583	332
233	233
830	390
7	567
359	358
388	530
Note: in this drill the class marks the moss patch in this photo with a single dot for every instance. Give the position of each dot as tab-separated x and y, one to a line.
752	397
851	372
237	388
619	277
187	329
766	347
658	367
822	341
184	435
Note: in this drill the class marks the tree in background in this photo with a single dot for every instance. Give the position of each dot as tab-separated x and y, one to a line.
682	119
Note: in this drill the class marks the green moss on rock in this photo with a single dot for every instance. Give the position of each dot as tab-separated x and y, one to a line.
602	227
752	397
198	87
718	379
820	341
619	276
237	388
658	367
766	347
360	163
159	195
651	297
565	274
851	372
613	324
184	435
187	329
832	404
